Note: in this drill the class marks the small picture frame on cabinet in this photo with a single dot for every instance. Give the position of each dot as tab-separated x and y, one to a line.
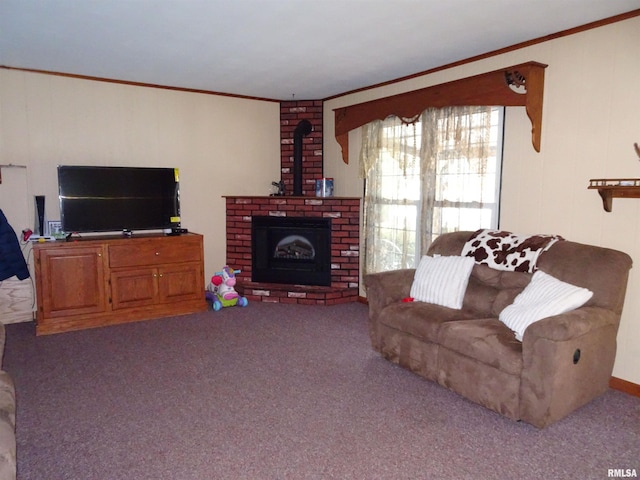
54	229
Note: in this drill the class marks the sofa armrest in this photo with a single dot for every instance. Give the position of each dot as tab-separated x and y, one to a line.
3	338
7	427
567	361
571	324
388	287
383	289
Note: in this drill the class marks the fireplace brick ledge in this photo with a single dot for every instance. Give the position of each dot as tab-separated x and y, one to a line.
300	294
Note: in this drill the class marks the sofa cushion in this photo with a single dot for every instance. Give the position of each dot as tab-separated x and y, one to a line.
544	297
479	297
442	280
487	341
602	270
490	290
420	319
7	399
7	451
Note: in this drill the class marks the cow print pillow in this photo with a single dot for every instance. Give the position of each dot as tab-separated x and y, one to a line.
507	251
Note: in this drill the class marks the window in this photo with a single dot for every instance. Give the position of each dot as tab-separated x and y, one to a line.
438	174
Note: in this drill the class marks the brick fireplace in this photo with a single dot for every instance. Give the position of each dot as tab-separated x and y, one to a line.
344	213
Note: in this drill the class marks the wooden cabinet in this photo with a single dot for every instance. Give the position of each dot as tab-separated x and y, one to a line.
134	288
151	286
105	280
72	281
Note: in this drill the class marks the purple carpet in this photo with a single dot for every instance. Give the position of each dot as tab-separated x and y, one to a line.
275	391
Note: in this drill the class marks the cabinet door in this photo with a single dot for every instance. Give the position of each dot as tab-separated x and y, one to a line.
134	288
72	281
180	282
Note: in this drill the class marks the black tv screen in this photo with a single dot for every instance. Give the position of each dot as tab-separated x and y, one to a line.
103	199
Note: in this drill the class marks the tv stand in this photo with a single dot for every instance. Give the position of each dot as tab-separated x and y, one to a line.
97	281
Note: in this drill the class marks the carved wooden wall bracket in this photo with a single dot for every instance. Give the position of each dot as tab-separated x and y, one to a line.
518	85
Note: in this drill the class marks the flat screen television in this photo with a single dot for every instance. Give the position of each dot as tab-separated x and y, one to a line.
107	199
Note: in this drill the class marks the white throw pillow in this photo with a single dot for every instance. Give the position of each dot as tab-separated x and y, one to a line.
545	296
442	280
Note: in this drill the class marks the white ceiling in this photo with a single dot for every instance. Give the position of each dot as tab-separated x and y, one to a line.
276	49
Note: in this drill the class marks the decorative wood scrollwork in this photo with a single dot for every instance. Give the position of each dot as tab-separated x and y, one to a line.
492	88
516	81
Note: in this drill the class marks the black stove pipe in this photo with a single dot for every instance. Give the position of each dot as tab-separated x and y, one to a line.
303	129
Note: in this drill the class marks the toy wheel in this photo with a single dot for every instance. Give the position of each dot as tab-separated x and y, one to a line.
217	305
243	302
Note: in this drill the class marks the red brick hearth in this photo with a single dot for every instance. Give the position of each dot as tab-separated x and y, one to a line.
344	213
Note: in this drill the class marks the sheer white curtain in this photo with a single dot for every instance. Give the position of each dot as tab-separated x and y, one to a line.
438	174
391	167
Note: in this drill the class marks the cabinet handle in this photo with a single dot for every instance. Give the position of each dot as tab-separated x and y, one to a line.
157	254
161	275
99	254
155	275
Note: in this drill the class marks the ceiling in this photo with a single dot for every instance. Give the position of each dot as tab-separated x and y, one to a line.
274	49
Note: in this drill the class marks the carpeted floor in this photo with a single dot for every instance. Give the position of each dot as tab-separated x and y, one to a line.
276	391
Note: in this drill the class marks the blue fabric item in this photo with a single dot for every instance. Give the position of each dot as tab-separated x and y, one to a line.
11	259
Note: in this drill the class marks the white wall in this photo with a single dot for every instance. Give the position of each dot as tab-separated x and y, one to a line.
222	145
591	120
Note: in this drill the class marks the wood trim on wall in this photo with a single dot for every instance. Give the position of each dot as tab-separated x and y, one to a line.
598	23
136	84
564	33
625	386
492	88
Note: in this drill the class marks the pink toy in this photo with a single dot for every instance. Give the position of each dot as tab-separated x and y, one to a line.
221	291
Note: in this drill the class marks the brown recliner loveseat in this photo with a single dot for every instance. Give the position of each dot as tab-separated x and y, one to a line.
562	362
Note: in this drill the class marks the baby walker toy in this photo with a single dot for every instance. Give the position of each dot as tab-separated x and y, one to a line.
220	291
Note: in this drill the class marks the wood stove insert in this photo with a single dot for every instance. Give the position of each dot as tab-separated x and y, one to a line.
291	250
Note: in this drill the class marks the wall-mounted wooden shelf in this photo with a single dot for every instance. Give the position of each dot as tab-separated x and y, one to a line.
610	188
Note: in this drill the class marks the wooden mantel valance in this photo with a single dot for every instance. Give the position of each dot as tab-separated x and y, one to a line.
518	85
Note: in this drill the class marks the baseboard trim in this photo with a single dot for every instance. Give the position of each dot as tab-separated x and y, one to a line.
625	386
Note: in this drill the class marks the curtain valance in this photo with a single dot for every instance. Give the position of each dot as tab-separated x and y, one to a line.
518	85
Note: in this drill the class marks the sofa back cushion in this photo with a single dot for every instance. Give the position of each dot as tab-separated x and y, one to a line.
489	290
602	270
